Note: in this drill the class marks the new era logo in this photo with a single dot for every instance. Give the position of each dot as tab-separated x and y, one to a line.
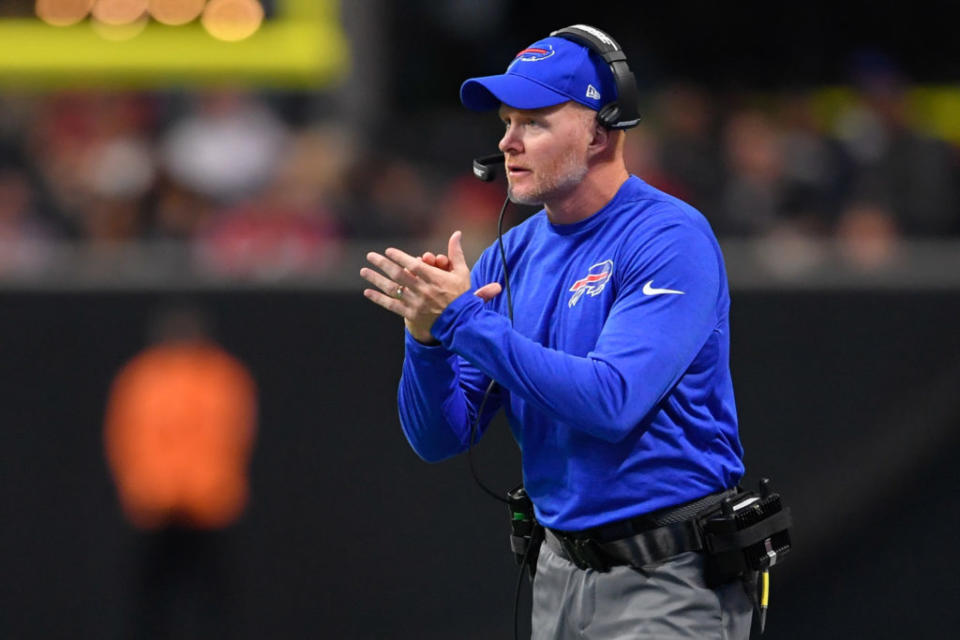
592	92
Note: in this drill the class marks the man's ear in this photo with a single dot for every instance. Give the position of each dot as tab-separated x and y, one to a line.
603	140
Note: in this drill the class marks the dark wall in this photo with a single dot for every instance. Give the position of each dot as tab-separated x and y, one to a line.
849	401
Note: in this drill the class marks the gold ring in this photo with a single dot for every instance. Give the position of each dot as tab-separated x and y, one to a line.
399	292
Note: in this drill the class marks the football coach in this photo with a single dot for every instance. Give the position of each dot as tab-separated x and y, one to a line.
614	369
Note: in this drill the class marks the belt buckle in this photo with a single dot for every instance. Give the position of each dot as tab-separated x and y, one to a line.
585	553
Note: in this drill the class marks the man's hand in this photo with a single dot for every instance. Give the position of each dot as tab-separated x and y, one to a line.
417	290
439	261
487	292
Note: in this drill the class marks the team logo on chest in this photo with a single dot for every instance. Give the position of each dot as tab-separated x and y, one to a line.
597	278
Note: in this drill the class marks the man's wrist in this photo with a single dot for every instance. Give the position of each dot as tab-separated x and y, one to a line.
424	338
431	342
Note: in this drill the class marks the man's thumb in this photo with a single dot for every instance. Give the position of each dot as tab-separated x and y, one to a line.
488	291
455	251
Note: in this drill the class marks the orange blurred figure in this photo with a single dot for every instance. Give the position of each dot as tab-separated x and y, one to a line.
179	432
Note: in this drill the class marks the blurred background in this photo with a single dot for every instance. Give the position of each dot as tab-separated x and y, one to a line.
238	158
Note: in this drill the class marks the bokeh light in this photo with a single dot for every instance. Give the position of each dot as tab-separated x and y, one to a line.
232	20
175	12
119	32
62	13
119	12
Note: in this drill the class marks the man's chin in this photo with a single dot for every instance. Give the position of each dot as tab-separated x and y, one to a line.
519	197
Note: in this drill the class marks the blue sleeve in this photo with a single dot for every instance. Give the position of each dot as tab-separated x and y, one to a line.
438	399
646	343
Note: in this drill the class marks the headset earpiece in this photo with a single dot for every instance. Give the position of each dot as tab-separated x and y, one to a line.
609	115
621	113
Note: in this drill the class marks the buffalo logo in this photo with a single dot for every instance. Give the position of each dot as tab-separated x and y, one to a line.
533	54
597	278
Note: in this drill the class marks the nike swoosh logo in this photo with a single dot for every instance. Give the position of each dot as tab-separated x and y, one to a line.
649	290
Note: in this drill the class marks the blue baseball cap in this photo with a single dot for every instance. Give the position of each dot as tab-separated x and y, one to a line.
548	72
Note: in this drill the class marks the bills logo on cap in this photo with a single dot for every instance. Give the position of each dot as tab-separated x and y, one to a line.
534	54
597	278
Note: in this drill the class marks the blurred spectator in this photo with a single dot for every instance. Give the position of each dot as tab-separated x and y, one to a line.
867	237
288	230
120	167
179	432
227	149
95	157
472	207
179	428
388	198
111	221
898	168
24	241
815	169
322	155
268	238
754	194
178	213
643	156
789	251
689	153
57	142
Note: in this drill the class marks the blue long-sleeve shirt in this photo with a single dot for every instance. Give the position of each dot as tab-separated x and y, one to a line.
615	375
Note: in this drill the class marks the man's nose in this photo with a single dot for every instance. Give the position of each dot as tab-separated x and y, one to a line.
510	142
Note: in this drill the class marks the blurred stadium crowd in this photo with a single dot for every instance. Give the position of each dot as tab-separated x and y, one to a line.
247	186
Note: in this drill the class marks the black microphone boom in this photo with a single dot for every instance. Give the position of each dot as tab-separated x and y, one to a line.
485	167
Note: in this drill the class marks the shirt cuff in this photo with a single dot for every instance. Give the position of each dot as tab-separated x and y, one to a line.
457	312
416	348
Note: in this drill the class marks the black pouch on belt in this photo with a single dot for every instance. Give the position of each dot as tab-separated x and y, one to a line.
526	534
749	532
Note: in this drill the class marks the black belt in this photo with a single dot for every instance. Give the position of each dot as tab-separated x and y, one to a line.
638	541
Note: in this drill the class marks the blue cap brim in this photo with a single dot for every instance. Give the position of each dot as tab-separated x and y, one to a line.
488	92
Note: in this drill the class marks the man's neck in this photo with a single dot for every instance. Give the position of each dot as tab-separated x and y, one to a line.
592	194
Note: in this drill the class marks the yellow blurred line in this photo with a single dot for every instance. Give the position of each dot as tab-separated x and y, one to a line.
933	109
937	111
307	52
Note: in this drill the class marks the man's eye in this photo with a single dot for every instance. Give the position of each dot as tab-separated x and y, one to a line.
524	123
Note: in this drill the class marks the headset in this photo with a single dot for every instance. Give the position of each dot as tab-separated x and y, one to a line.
619	114
622	112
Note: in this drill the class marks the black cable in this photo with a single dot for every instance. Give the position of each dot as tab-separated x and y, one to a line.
516	593
503	259
473	434
474	428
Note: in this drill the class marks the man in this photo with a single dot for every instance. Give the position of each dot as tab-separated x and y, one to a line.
614	374
179	431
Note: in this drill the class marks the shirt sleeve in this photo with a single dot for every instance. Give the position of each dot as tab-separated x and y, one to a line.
439	397
647	342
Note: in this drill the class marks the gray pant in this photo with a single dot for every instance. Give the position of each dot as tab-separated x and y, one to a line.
661	601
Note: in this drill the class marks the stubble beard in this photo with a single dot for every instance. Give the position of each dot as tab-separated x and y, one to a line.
552	183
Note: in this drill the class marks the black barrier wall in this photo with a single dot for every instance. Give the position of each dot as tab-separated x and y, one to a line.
850	401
